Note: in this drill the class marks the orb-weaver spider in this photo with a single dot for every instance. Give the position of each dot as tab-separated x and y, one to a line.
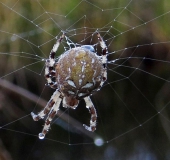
78	73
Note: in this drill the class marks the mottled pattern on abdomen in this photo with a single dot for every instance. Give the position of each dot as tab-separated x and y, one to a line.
79	72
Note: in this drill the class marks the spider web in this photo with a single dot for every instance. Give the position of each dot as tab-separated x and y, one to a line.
132	106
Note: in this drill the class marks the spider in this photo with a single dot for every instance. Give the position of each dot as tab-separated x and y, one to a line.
78	73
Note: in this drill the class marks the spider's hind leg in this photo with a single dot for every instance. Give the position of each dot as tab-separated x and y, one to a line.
104	56
50	65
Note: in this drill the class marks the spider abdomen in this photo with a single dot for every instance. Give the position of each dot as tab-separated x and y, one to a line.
79	72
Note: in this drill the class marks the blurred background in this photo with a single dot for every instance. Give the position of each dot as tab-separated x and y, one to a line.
133	105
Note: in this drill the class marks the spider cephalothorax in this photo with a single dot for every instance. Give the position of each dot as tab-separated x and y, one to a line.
78	73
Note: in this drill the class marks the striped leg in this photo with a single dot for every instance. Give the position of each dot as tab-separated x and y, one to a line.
50	117
104	56
47	108
93	113
50	65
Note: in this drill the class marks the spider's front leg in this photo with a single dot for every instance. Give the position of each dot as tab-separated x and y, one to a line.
47	108
50	117
51	109
50	65
93	113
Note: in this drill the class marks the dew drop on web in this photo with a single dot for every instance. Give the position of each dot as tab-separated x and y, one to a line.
41	136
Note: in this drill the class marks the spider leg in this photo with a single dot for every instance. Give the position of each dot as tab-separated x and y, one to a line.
104	56
50	64
93	113
50	117
47	108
